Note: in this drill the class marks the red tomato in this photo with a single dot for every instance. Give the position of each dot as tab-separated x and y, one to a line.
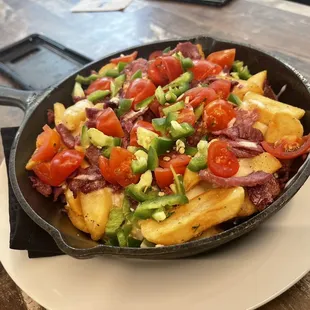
155	54
204	68
48	143
218	114
176	160
164	69
288	147
100	84
43	172
221	161
223	58
126	58
164	176
198	95
222	88
109	124
63	164
187	115
140	89
133	133
106	170
154	107
120	165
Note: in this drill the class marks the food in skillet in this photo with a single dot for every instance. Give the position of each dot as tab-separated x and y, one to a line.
167	150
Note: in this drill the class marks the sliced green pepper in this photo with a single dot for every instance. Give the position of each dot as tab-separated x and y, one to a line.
197	163
191	151
117	84
146	208
133	243
160	95
137	75
116	218
98	95
106	151
181	130
198	112
172	116
186	63
140	165
234	99
244	74
159	124
121	66
144	103
152	160
124	106
174	107
184	78
179	90
78	92
112	73
84	137
121	238
159	215
162	145
178	182
241	70
86	80
166	50
171	97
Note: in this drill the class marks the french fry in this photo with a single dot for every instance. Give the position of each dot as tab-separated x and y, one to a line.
247	208
74	211
283	124
190	220
96	207
262	162
259	78
268	108
59	110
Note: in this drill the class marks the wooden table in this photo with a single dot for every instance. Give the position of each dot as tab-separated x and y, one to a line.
277	26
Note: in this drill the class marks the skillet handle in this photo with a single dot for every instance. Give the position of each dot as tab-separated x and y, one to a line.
18	98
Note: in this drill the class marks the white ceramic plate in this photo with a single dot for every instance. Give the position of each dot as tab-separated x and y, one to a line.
241	275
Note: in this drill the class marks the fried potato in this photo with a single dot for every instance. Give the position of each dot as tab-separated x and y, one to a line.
209	233
244	87
190	179
262	162
247	207
190	220
75	114
199	189
74	211
260	126
259	78
96	207
283	124
268	108
59	110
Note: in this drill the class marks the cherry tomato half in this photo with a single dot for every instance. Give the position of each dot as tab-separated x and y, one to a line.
198	95
155	54
288	147
176	160
223	58
204	68
126	58
222	88
48	143
109	124
187	115
164	69
218	114
164	176
100	84
140	89
221	161
106	171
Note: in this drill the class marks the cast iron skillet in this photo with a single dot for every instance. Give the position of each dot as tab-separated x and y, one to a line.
73	242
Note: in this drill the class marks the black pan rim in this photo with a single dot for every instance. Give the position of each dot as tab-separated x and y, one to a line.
158	252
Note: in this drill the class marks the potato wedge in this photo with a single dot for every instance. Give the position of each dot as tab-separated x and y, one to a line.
283	124
96	207
260	126
199	189
190	179
244	87
259	78
262	162
59	110
209	233
247	207
74	211
75	114
190	220
268	108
